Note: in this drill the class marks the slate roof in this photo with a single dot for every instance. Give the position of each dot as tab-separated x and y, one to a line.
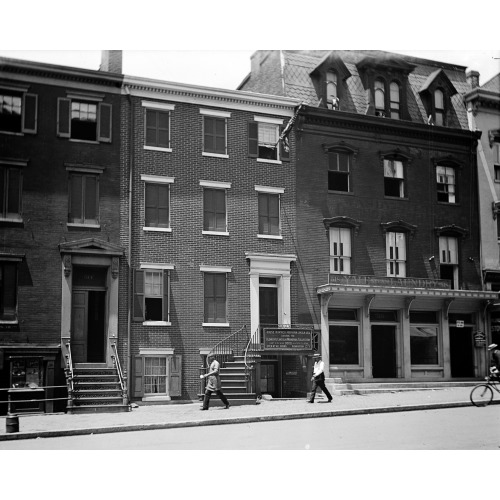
492	85
298	83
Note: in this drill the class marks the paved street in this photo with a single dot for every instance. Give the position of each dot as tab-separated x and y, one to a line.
466	428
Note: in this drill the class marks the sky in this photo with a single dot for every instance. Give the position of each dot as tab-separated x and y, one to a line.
226	68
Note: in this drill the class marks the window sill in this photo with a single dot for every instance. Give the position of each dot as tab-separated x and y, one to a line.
270	237
276	162
156	148
215	155
156	323
87	226
225	325
12	220
396	198
7	132
162	397
83	141
9	322
216	233
158	229
447	203
347	193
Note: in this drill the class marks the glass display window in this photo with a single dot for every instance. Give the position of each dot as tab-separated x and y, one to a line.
26	372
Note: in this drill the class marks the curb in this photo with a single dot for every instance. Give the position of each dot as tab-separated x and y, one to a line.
226	421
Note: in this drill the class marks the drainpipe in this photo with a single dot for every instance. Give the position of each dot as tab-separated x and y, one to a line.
129	282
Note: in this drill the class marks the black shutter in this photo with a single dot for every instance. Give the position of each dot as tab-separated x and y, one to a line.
253	139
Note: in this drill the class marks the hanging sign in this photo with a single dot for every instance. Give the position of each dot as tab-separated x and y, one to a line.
479	339
287	339
460	323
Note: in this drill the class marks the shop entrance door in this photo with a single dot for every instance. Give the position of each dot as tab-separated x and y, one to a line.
384	351
269	378
461	352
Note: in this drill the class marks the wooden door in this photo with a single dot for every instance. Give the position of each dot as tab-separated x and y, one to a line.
79	326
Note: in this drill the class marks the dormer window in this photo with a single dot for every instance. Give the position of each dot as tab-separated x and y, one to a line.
439	107
331	90
394	100
379	98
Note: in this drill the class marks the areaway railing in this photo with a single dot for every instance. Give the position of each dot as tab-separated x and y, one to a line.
68	371
121	376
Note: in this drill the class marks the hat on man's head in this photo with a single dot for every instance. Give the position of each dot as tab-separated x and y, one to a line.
492	346
316	355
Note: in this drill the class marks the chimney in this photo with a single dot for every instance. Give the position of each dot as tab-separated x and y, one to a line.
111	61
473	79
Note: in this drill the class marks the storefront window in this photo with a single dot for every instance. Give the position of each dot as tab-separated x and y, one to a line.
26	372
344	344
424	347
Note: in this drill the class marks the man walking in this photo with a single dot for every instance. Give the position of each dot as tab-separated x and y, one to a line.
214	383
495	360
318	379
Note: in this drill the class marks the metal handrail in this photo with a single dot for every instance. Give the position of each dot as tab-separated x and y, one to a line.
123	383
227	346
69	373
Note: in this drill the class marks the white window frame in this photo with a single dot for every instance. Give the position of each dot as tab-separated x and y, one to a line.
18	165
395	169
159	106
279	192
396	254
216	270
270	121
153	267
223	186
443	176
158	179
215	114
340	250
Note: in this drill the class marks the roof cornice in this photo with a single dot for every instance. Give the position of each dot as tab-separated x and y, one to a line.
195	94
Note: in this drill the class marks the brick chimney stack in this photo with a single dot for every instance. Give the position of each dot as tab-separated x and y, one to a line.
111	61
473	79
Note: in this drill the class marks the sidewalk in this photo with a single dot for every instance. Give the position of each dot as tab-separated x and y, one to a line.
188	415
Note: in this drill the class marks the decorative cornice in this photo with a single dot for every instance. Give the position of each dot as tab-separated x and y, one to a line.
401	225
451	229
342	221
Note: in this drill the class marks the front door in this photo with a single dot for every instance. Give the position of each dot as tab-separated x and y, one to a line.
384	351
461	352
269	378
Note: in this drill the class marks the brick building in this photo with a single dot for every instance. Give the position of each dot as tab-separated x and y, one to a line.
387	213
211	199
59	226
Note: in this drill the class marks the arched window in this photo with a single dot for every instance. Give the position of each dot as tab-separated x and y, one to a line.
331	90
439	107
395	98
379	98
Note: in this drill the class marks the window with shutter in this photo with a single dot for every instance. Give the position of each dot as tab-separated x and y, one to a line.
394	178
8	291
269	214
263	140
214	210
10	192
396	254
214	135
83	198
340	250
18	112
215	298
152	296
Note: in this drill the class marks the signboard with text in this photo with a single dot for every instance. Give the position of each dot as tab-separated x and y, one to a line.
287	339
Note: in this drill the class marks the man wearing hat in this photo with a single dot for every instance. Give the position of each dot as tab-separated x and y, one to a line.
318	378
214	383
495	360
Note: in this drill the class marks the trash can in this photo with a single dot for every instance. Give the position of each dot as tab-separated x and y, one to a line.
12	424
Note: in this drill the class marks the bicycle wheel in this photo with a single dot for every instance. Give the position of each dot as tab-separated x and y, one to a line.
481	395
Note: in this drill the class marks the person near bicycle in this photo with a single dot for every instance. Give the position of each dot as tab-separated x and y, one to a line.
495	361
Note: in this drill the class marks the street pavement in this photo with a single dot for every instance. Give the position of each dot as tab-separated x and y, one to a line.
188	414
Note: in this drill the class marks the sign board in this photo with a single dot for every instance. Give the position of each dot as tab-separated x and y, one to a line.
287	339
479	339
460	323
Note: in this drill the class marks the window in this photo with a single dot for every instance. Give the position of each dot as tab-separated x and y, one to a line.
214	210
496	160
157	205
379	98
10	192
445	184
438	107
331	90
155	375
394	100
340	250
157	128
263	143
396	254
497	173
152	293
344	336
8	291
269	214
338	171
448	256
18	112
84	119
424	346
83	198
394	178
215	297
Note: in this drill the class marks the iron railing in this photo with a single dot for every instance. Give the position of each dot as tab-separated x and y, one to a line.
68	371
122	377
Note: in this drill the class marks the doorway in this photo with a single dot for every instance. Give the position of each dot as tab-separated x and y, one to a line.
269	383
384	360
88	315
461	352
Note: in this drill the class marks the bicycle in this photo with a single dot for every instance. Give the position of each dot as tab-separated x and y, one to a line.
482	394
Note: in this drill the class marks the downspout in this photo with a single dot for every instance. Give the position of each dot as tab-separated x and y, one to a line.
129	281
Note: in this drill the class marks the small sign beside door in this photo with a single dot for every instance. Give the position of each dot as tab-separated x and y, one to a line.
460	323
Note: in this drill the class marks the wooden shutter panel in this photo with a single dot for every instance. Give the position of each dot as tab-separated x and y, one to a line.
253	139
63	117
138	387
104	134
175	378
284	155
166	295
138	312
30	113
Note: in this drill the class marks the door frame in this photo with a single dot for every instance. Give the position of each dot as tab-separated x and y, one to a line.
395	330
